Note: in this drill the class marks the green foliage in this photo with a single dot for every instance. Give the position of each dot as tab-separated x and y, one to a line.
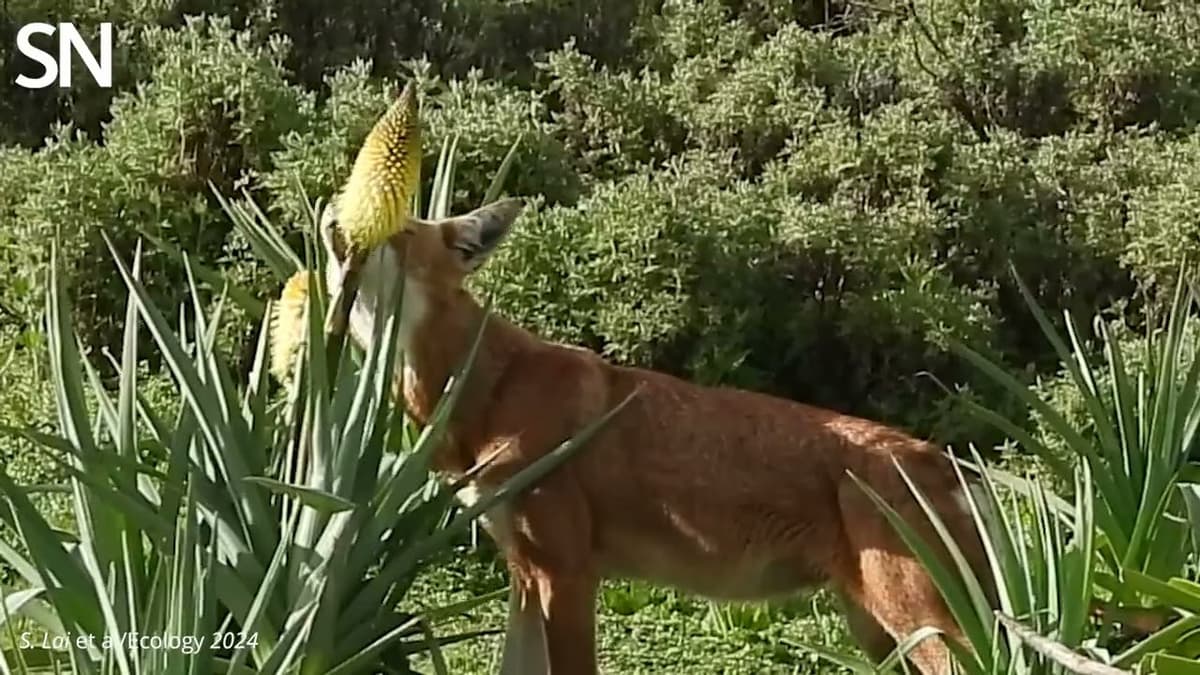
1126	65
1044	68
313	161
814	199
502	38
1039	556
26	401
20	256
213	111
296	521
1138	436
1125	550
612	122
485	117
1065	398
1131	425
30	114
1165	214
696	271
807	198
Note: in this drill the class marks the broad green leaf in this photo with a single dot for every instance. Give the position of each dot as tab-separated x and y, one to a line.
435	650
443	180
52	561
253	621
15	601
394	491
102	583
1182	595
497	183
16	560
366	656
263	238
208	413
834	656
212	278
1166	664
1191	499
320	500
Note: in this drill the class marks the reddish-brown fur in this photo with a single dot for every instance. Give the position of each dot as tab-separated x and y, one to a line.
726	493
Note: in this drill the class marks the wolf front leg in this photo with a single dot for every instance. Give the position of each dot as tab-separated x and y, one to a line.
569	619
552	562
525	636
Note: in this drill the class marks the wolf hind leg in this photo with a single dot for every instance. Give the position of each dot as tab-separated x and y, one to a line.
871	637
888	583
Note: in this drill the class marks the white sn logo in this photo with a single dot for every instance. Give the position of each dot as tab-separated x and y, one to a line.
59	70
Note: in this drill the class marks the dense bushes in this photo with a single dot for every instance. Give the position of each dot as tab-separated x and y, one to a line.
807	200
693	270
212	112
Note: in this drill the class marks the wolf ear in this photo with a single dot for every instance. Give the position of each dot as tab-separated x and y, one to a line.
476	235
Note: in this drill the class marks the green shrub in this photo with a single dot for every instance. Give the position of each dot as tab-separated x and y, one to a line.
712	277
237	506
1124	64
612	122
20	249
802	197
26	401
503	39
28	116
487	118
312	161
212	112
1045	68
1164	213
1064	396
767	97
1012	203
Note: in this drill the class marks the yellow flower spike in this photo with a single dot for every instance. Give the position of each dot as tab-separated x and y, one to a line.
374	204
289	326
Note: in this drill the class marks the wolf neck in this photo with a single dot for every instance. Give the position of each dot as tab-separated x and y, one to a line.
436	333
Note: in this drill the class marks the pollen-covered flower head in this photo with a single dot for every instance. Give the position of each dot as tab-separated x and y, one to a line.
374	204
289	327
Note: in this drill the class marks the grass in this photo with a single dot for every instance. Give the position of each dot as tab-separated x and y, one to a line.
642	629
645	629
